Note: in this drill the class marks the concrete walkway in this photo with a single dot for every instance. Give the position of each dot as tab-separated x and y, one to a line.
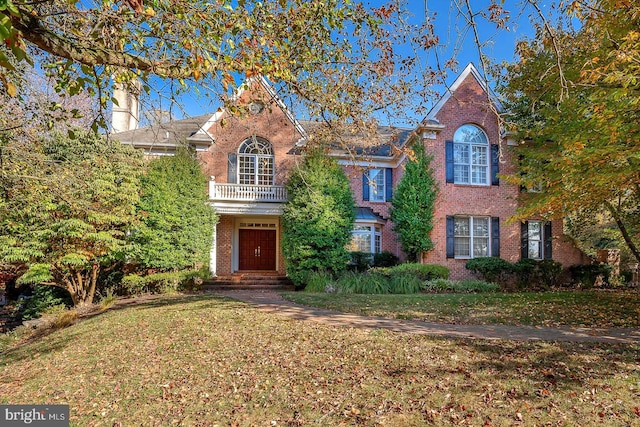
272	302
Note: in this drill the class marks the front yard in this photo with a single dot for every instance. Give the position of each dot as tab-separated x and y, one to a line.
597	309
204	360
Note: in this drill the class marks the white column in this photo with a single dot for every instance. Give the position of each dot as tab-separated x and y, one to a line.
213	253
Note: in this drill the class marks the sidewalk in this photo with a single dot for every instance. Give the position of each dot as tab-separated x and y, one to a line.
272	302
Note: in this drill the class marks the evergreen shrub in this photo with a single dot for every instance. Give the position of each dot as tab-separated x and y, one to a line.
360	261
385	259
537	275
587	275
45	297
490	269
158	283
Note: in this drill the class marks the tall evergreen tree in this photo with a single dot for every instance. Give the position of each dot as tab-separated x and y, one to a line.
318	218
176	219
413	204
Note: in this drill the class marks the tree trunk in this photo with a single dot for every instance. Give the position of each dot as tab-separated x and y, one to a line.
69	286
93	281
623	229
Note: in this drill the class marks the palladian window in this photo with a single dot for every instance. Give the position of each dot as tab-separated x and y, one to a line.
256	162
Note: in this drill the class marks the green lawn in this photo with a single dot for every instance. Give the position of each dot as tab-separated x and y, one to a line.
202	360
587	309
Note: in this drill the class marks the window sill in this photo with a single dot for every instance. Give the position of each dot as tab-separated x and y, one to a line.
458	184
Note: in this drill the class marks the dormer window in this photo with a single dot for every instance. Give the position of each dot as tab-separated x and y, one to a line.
256	162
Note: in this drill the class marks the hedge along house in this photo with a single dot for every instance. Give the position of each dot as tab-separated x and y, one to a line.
248	157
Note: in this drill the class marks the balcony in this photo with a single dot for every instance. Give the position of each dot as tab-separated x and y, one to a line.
247	193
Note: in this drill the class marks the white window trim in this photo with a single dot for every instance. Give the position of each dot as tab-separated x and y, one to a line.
540	241
471	237
373	187
256	162
470	164
372	232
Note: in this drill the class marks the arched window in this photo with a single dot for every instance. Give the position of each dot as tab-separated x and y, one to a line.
255	161
470	156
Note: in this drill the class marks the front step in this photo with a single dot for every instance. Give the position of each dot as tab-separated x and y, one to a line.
248	282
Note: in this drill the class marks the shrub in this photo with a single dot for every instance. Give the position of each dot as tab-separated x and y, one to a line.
111	281
360	261
413	204
108	299
549	271
385	259
421	271
405	284
537	275
318	281
318	218
460	286
64	319
588	274
627	276
167	282
44	297
176	219
490	269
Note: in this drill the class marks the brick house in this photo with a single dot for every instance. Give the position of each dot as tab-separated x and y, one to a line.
474	204
248	157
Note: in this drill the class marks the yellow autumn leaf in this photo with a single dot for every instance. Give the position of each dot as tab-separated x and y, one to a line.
12	90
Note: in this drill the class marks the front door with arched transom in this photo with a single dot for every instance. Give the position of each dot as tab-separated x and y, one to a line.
257	249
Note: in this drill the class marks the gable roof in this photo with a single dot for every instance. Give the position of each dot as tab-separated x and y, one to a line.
469	70
166	137
265	84
381	144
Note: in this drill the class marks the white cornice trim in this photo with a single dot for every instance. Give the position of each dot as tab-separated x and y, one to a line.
284	108
243	208
470	69
203	134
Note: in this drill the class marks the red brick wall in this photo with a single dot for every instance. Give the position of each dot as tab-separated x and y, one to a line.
230	132
389	238
224	239
272	124
563	249
469	105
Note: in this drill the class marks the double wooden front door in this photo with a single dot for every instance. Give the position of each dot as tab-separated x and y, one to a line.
257	249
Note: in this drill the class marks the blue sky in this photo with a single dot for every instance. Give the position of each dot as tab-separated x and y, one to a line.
456	39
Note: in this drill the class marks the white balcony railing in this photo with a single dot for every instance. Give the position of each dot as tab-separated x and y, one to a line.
247	192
